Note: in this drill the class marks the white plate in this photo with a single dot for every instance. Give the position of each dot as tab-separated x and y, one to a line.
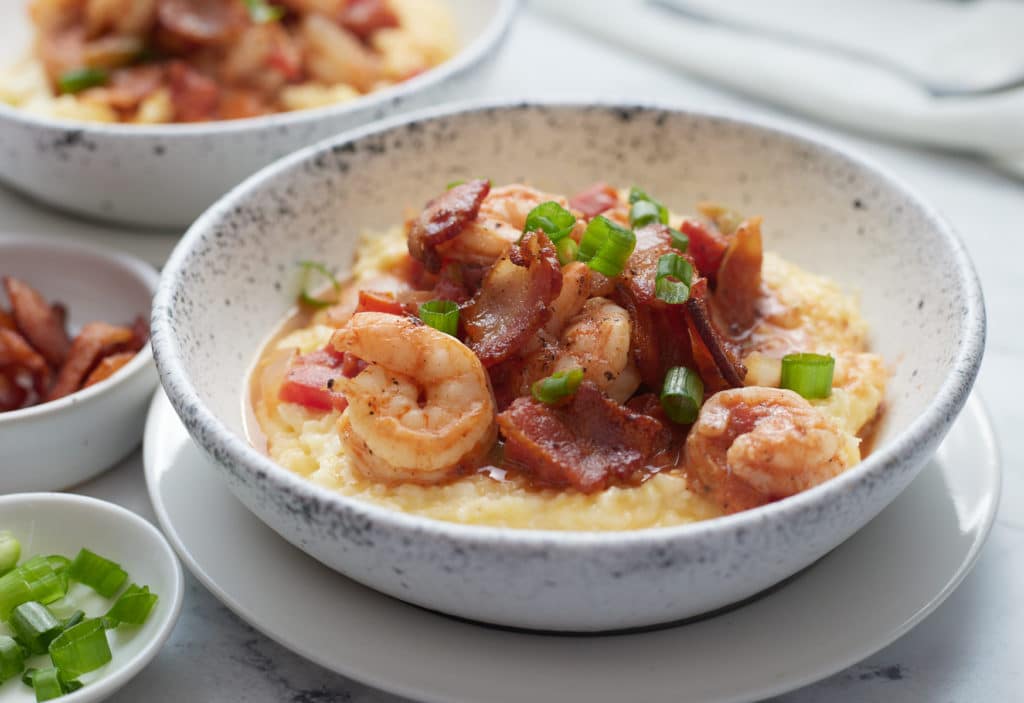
855	601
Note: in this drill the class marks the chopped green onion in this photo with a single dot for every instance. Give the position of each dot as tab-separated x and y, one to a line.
566	249
673	280
261	12
558	386
47	684
636	195
26	678
81	649
132	607
102	575
306	296
35	626
453	184
643	212
682	395
679	240
58	562
606	246
12	658
73	619
553	219
810	375
10	552
33	580
78	79
442	315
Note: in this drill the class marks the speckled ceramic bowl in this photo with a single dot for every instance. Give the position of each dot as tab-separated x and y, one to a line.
226	287
165	175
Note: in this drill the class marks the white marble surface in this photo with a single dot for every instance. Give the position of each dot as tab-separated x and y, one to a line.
970	649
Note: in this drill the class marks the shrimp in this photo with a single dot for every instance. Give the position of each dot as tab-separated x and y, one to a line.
422	409
752	445
497	226
597	339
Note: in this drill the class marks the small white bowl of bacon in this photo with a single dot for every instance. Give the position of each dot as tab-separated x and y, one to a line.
76	370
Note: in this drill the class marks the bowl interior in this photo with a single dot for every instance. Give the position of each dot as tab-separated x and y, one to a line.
53	523
92	285
232	279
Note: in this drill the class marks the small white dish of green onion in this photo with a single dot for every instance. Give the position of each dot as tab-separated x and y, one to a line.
89	592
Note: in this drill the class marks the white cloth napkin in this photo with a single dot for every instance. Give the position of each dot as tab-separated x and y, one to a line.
857	64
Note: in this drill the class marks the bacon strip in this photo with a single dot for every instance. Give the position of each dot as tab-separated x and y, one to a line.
7	320
95	341
739	279
364	17
706	247
40	324
201	21
595	199
107	367
513	302
443	218
587	444
12	396
730	368
195	97
16	354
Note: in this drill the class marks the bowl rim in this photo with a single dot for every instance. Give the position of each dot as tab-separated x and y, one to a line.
222	442
135	267
115	679
466	58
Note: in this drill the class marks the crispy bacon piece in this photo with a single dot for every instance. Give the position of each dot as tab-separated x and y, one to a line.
659	337
7	320
372	301
594	200
707	247
310	379
443	218
130	86
364	17
732	371
12	396
739	280
201	21
95	341
195	97
513	302
588	444
37	321
16	354
107	367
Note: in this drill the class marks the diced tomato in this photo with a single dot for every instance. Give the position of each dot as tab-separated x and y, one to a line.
310	379
706	247
373	301
594	200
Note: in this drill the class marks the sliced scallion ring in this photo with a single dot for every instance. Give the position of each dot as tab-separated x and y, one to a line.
33	580
132	607
810	375
682	395
98	573
442	315
552	219
12	658
10	552
47	684
566	249
643	212
606	246
262	12
558	386
35	626
314	276
78	79
81	649
673	280
637	195
679	240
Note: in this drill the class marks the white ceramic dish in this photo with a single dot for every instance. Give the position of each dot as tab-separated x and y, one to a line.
848	605
56	445
825	209
166	175
59	523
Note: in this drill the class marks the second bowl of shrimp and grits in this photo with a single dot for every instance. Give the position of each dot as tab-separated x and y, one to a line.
569	367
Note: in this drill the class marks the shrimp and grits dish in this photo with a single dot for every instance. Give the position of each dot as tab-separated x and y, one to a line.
159	61
516	358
